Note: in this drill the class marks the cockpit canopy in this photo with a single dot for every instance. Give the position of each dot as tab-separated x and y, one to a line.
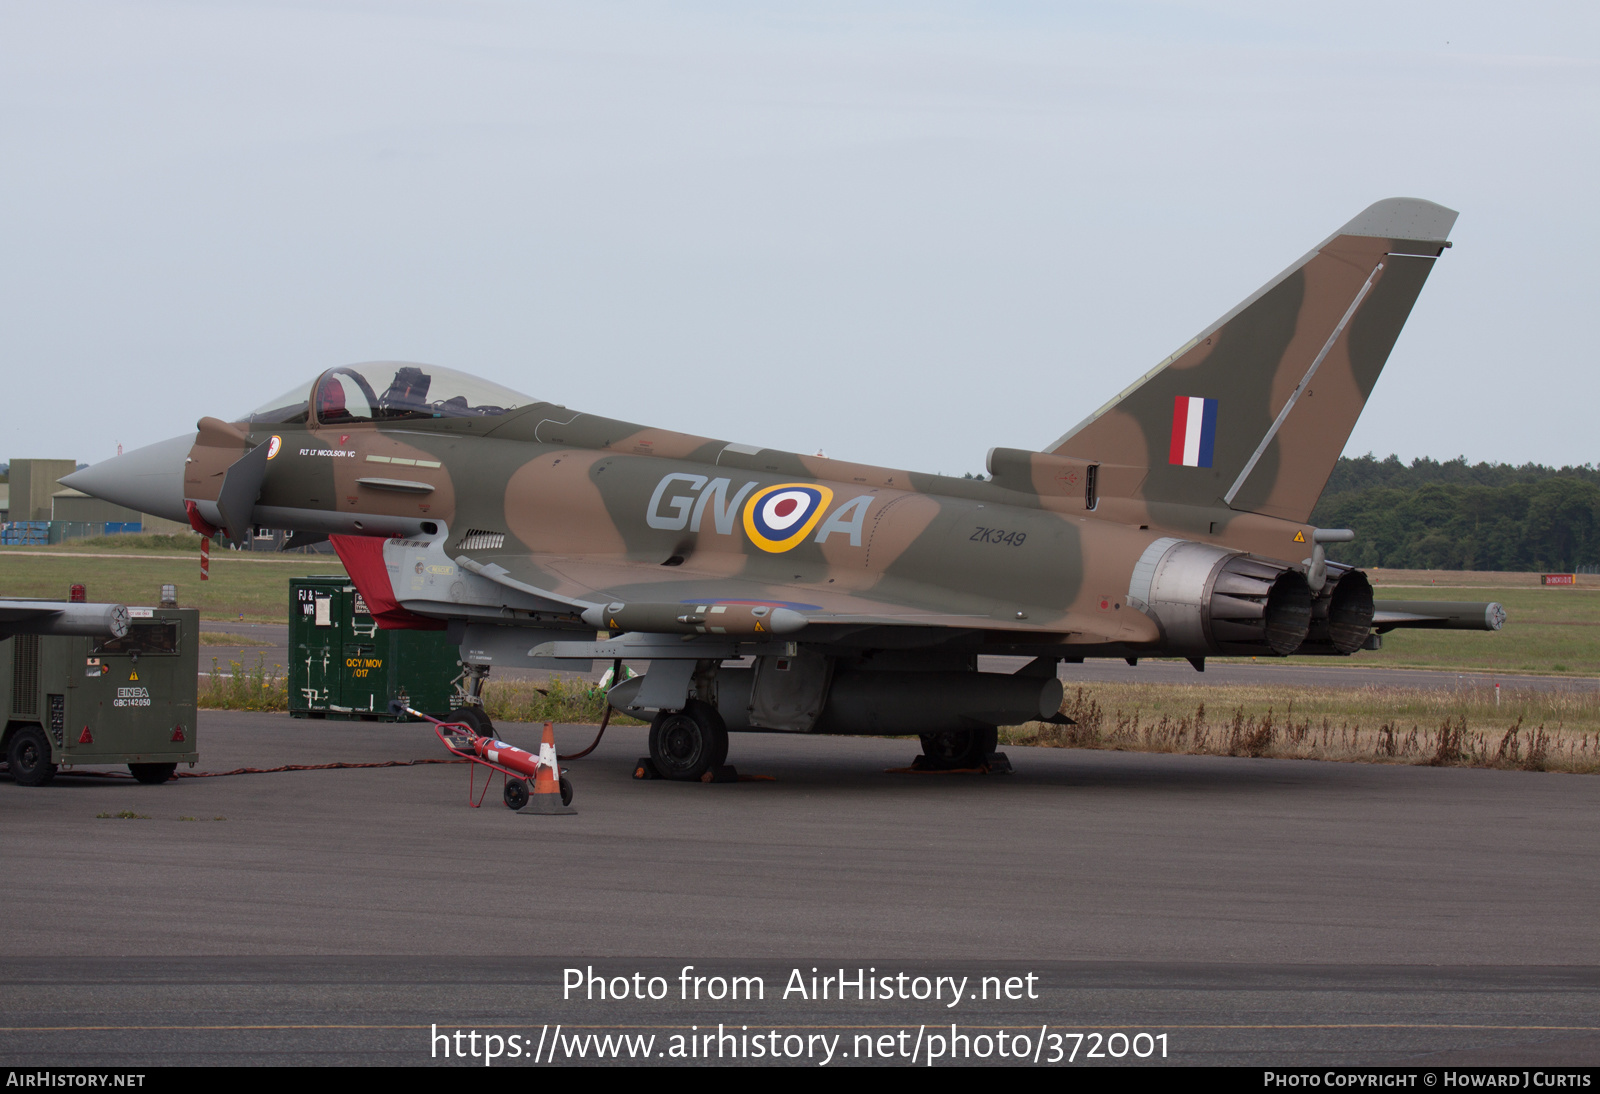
389	391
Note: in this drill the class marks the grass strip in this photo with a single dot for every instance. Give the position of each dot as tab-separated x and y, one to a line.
1528	730
235	686
241	588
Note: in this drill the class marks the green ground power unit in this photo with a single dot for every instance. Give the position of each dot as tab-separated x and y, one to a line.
77	700
342	665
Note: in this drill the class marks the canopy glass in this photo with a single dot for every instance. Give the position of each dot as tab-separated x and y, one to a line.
388	391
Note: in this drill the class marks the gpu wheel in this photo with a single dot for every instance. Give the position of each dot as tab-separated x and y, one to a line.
29	757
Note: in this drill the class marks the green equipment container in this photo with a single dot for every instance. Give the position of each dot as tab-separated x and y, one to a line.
342	665
128	700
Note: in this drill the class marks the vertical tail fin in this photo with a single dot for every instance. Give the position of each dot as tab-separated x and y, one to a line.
1254	411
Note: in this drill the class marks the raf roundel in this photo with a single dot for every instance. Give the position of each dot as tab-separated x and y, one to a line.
780	517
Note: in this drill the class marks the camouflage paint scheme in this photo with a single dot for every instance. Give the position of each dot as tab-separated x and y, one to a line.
531	517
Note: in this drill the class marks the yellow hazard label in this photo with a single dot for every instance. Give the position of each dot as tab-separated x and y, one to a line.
134	675
1299	537
759	628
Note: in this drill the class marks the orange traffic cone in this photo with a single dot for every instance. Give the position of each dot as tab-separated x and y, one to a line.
551	792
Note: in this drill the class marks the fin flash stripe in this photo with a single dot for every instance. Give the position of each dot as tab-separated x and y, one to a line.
1194	431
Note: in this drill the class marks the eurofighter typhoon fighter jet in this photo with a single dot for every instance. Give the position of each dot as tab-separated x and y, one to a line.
777	592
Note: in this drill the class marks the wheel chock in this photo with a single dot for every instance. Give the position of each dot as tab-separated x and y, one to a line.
644	768
996	764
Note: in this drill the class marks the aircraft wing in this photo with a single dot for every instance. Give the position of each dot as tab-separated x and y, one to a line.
637	596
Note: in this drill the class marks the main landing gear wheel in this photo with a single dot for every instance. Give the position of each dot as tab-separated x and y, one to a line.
516	794
685	744
152	773
959	749
29	757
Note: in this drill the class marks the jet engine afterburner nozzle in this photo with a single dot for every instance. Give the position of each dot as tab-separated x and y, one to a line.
1341	616
1213	601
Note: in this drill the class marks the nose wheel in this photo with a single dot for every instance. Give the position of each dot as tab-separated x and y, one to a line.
473	717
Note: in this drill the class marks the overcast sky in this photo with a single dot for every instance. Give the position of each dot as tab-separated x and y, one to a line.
899	233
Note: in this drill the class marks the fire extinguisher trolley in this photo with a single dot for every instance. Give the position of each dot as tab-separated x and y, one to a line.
519	766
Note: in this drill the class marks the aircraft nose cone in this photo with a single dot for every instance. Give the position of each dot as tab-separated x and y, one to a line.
148	479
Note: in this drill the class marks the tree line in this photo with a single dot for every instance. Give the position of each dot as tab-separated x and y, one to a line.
1451	515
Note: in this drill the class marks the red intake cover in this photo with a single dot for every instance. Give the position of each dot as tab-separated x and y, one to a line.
363	559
